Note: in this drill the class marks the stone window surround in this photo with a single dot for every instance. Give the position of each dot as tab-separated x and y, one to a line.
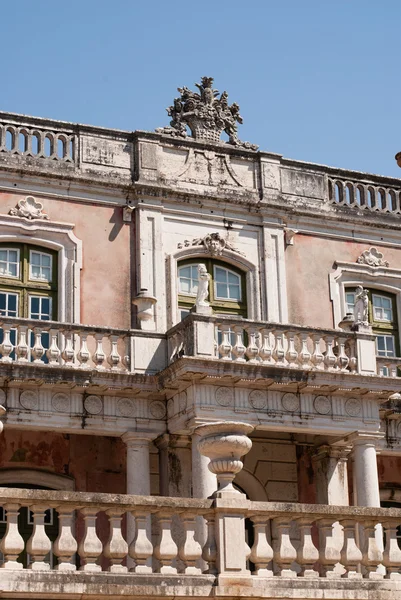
52	481
230	258
347	274
61	238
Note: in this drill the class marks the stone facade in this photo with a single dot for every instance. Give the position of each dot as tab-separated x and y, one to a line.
136	380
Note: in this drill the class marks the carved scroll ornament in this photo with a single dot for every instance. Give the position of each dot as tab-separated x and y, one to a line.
373	258
213	243
29	208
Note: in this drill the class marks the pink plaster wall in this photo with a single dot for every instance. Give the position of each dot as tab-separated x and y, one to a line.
105	276
309	263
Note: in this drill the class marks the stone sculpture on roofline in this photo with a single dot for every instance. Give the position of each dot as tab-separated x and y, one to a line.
206	115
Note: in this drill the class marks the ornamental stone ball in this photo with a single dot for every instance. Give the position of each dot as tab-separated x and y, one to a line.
206	115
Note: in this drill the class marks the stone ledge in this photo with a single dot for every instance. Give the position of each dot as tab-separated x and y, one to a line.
78	585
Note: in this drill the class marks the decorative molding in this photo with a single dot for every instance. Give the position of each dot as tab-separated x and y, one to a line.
93	405
29	208
353	407
206	115
224	396
29	400
213	243
61	402
290	402
52	481
126	407
157	409
258	399
373	258
322	405
289	234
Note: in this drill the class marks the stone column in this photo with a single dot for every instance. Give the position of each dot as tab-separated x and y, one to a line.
331	475
366	477
175	465
138	472
204	482
366	481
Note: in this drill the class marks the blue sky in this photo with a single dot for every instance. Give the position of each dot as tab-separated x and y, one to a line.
316	80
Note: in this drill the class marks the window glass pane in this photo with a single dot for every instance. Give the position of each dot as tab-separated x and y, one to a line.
185	272
386	303
220	275
40	266
185	286
34	308
387	314
235	292
350	300
382	309
390	345
221	290
381	345
9	263
188	279
232	278
8	304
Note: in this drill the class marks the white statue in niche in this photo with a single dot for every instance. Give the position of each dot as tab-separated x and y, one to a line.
203	286
361	315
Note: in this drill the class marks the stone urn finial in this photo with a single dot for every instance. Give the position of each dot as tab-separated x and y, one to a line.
224	443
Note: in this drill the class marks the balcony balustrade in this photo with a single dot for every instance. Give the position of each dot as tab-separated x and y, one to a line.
287	540
55	344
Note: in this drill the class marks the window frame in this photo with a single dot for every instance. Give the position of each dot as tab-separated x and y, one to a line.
23	286
219	306
381	327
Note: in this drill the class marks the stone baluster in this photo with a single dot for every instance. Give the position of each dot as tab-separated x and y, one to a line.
141	548
353	361
12	543
372	556
190	551
342	358
261	551
37	351
317	356
6	346
239	349
166	550
279	352
83	353
68	353
99	356
53	353
266	350
209	552
252	349
116	548
304	356
291	354
114	358
126	359
392	551
329	555
225	347
38	545
351	556
65	546
307	554
22	348
90	547
284	551
330	359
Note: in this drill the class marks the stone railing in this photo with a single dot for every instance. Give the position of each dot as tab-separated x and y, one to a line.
241	340
288	540
365	195
388	367
27	137
54	344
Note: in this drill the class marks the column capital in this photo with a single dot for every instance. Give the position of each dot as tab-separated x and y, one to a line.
173	440
327	451
360	438
138	438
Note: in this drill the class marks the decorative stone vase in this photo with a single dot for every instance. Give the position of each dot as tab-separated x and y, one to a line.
224	443
2	413
145	303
